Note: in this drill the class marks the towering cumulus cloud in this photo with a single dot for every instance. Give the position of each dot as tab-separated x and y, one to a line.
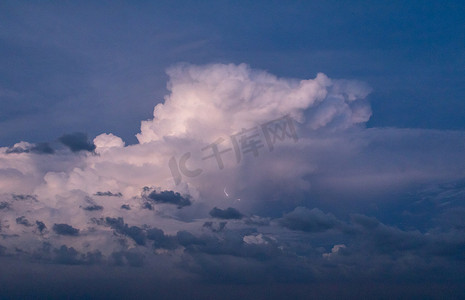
206	102
247	175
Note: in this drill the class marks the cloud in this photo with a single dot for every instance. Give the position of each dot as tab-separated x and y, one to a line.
254	239
93	207
65	229
160	240
206	102
23	221
76	142
215	227
108	194
313	220
43	148
166	197
69	256
105	142
185	238
134	232
24	197
327	197
334	251
41	226
228	213
134	259
24	147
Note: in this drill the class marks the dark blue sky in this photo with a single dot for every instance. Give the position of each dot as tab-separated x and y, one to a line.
67	67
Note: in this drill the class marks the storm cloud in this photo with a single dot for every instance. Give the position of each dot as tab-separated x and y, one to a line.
317	197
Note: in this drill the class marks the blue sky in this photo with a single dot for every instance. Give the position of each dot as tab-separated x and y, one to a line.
267	149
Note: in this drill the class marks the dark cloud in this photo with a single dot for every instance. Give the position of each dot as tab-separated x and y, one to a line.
24	197
362	247
377	237
155	234
65	229
228	213
93	207
215	227
147	205
160	240
257	221
133	259
115	223
65	255
452	218
6	236
76	142
23	221
141	235
126	207
186	238
109	194
70	256
134	232
307	220
166	197
364	221
4	205
42	148
41	226
230	246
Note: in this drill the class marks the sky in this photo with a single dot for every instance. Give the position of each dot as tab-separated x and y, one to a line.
265	149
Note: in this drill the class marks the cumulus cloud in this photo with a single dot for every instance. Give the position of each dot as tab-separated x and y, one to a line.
105	142
247	175
208	101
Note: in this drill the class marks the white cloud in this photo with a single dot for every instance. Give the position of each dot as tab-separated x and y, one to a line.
105	141
254	239
206	102
334	251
